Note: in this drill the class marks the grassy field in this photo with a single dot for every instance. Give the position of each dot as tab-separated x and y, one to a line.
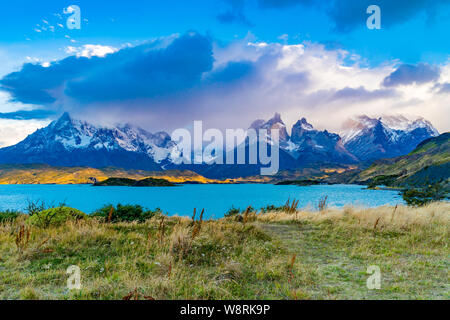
278	255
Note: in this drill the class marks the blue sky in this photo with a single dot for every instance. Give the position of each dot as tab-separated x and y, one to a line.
412	31
209	57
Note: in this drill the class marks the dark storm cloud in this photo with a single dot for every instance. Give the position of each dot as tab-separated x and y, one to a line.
27	114
409	74
233	71
131	73
32	83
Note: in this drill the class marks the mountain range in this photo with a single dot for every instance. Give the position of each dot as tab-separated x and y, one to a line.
70	142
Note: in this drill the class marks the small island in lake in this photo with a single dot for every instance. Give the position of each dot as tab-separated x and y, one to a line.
147	182
299	182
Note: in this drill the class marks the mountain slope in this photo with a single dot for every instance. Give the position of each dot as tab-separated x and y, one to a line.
428	163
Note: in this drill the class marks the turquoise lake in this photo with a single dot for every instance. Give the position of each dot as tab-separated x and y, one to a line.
215	198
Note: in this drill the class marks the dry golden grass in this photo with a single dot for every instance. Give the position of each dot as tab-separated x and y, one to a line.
302	255
385	217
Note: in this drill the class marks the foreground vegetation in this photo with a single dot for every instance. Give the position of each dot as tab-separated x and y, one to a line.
277	253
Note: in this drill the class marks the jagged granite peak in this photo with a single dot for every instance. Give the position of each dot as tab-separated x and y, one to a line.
303	123
273	123
299	128
309	144
65	117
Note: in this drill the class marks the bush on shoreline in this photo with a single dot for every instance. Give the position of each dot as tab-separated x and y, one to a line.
55	216
125	213
422	196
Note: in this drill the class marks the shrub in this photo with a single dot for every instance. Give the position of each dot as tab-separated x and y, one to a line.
236	211
272	208
420	197
9	215
125	213
34	207
55	216
232	212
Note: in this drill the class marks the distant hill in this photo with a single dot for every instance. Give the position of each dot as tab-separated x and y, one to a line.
45	174
428	163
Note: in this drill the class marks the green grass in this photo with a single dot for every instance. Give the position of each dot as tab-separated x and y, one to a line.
230	259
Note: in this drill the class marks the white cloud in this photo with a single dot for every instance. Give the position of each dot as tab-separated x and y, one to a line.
90	50
68	10
328	72
13	131
303	80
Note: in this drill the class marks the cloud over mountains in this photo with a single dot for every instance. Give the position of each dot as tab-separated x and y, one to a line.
172	81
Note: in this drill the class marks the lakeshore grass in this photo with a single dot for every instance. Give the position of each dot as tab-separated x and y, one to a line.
274	255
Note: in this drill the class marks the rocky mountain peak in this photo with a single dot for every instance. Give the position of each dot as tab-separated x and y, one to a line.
273	123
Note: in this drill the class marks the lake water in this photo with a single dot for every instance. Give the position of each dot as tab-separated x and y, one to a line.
215	198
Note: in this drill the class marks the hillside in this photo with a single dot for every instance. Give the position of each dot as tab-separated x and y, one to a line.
45	174
428	163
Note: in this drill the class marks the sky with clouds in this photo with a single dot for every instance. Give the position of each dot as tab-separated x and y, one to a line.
163	64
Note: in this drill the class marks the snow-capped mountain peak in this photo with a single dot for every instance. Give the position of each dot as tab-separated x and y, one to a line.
67	141
386	136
